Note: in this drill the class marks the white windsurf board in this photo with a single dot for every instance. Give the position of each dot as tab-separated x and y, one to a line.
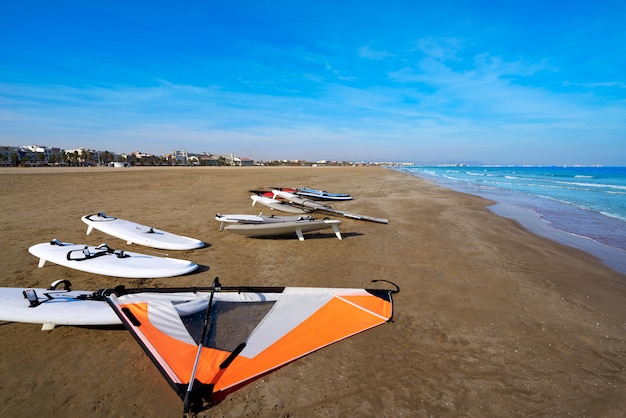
279	205
269	229
257	219
51	307
135	233
311	205
109	262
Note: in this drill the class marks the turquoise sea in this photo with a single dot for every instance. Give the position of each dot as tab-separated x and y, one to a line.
583	207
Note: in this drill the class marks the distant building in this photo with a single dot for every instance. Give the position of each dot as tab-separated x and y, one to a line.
30	155
49	153
226	159
138	155
81	156
208	160
244	162
7	154
35	155
180	156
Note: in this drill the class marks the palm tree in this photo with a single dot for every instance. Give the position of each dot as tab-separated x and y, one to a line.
106	157
88	156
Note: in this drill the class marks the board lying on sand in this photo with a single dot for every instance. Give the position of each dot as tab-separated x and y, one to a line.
268	192
268	226
305	192
247	219
309	193
280	205
308	205
54	306
223	337
134	233
109	262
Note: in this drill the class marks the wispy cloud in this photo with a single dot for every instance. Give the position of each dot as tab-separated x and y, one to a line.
370	53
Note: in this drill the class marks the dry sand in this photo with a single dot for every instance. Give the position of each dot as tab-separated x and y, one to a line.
490	321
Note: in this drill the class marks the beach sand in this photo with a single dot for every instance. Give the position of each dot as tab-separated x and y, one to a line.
490	320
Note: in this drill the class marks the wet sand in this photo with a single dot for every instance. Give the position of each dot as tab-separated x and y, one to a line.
491	320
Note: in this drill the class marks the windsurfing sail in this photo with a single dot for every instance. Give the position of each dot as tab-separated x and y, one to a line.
206	341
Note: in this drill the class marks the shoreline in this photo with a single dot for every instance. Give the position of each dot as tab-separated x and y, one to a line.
612	257
491	319
609	256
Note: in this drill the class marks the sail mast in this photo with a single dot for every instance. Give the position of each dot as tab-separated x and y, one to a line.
205	331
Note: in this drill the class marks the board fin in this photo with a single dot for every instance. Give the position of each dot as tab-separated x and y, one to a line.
337	232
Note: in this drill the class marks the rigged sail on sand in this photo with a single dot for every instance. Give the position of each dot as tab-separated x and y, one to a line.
245	333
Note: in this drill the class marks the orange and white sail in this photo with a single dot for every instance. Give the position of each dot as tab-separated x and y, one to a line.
246	332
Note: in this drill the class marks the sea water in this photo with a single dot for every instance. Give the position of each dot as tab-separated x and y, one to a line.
583	207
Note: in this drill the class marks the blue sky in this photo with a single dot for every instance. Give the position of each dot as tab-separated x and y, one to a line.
496	82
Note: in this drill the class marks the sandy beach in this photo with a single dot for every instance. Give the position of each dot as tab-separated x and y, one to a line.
491	320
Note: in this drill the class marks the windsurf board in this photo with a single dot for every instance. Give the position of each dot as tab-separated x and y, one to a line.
106	261
310	193
54	306
279	205
311	205
269	229
135	233
257	219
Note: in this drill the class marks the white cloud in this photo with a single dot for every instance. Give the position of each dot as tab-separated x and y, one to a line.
369	53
